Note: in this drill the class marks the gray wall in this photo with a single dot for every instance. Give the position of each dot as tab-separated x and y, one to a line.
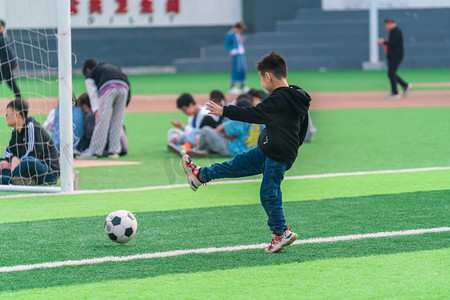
138	47
300	30
262	15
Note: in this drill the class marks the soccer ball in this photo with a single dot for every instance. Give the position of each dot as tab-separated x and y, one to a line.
120	226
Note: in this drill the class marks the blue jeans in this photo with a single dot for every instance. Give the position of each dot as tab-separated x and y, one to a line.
31	167
250	163
238	69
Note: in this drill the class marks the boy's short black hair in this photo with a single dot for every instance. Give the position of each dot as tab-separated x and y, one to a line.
244	100
389	20
184	100
2	22
84	100
244	103
20	106
216	96
257	93
273	63
89	63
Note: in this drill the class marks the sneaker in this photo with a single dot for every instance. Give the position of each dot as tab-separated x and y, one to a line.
174	149
86	155
192	171
197	153
280	241
234	90
407	90
393	97
17	180
245	89
113	155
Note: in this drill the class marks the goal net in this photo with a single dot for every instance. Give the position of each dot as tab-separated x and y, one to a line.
36	90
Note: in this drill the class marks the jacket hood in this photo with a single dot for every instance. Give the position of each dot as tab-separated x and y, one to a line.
298	98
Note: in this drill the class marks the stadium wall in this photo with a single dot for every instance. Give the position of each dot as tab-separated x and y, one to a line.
177	44
262	15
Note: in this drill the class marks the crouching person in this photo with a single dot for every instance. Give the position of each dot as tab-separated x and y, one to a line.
31	157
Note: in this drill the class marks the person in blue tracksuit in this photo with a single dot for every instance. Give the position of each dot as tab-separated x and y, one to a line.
234	42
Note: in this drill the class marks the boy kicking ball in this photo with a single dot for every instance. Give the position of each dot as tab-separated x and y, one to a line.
285	114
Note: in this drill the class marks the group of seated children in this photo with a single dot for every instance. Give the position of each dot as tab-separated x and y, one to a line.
32	155
206	133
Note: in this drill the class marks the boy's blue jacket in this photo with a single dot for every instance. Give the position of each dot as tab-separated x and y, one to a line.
285	114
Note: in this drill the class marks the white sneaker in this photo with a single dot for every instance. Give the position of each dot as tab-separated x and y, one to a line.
393	97
113	155
407	90
192	171
86	155
245	89
234	90
280	241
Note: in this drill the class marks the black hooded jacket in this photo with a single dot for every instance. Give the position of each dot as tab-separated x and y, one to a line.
285	114
34	141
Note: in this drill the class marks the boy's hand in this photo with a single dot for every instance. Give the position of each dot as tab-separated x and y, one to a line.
14	163
4	165
213	108
380	41
177	124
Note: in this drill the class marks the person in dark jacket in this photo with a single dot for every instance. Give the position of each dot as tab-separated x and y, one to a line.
394	53
8	62
108	89
285	115
31	157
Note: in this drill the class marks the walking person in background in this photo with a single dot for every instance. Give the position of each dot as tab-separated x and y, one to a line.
108	90
394	53
8	62
234	42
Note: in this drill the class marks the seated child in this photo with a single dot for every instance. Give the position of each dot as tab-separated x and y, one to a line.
185	136
230	138
52	124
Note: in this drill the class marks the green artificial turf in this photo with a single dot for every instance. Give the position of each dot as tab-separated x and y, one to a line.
396	276
314	81
60	227
77	238
346	141
47	207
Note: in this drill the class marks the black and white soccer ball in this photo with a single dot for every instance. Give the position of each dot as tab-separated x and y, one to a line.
120	226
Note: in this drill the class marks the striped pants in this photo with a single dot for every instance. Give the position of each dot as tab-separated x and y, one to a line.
108	127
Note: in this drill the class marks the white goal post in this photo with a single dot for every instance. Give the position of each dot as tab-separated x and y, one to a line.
19	15
65	94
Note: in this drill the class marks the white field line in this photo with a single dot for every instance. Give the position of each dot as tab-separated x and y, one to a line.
162	187
99	260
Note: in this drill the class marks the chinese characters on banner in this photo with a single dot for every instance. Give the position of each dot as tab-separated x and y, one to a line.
74	6
122	6
95	8
147	6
